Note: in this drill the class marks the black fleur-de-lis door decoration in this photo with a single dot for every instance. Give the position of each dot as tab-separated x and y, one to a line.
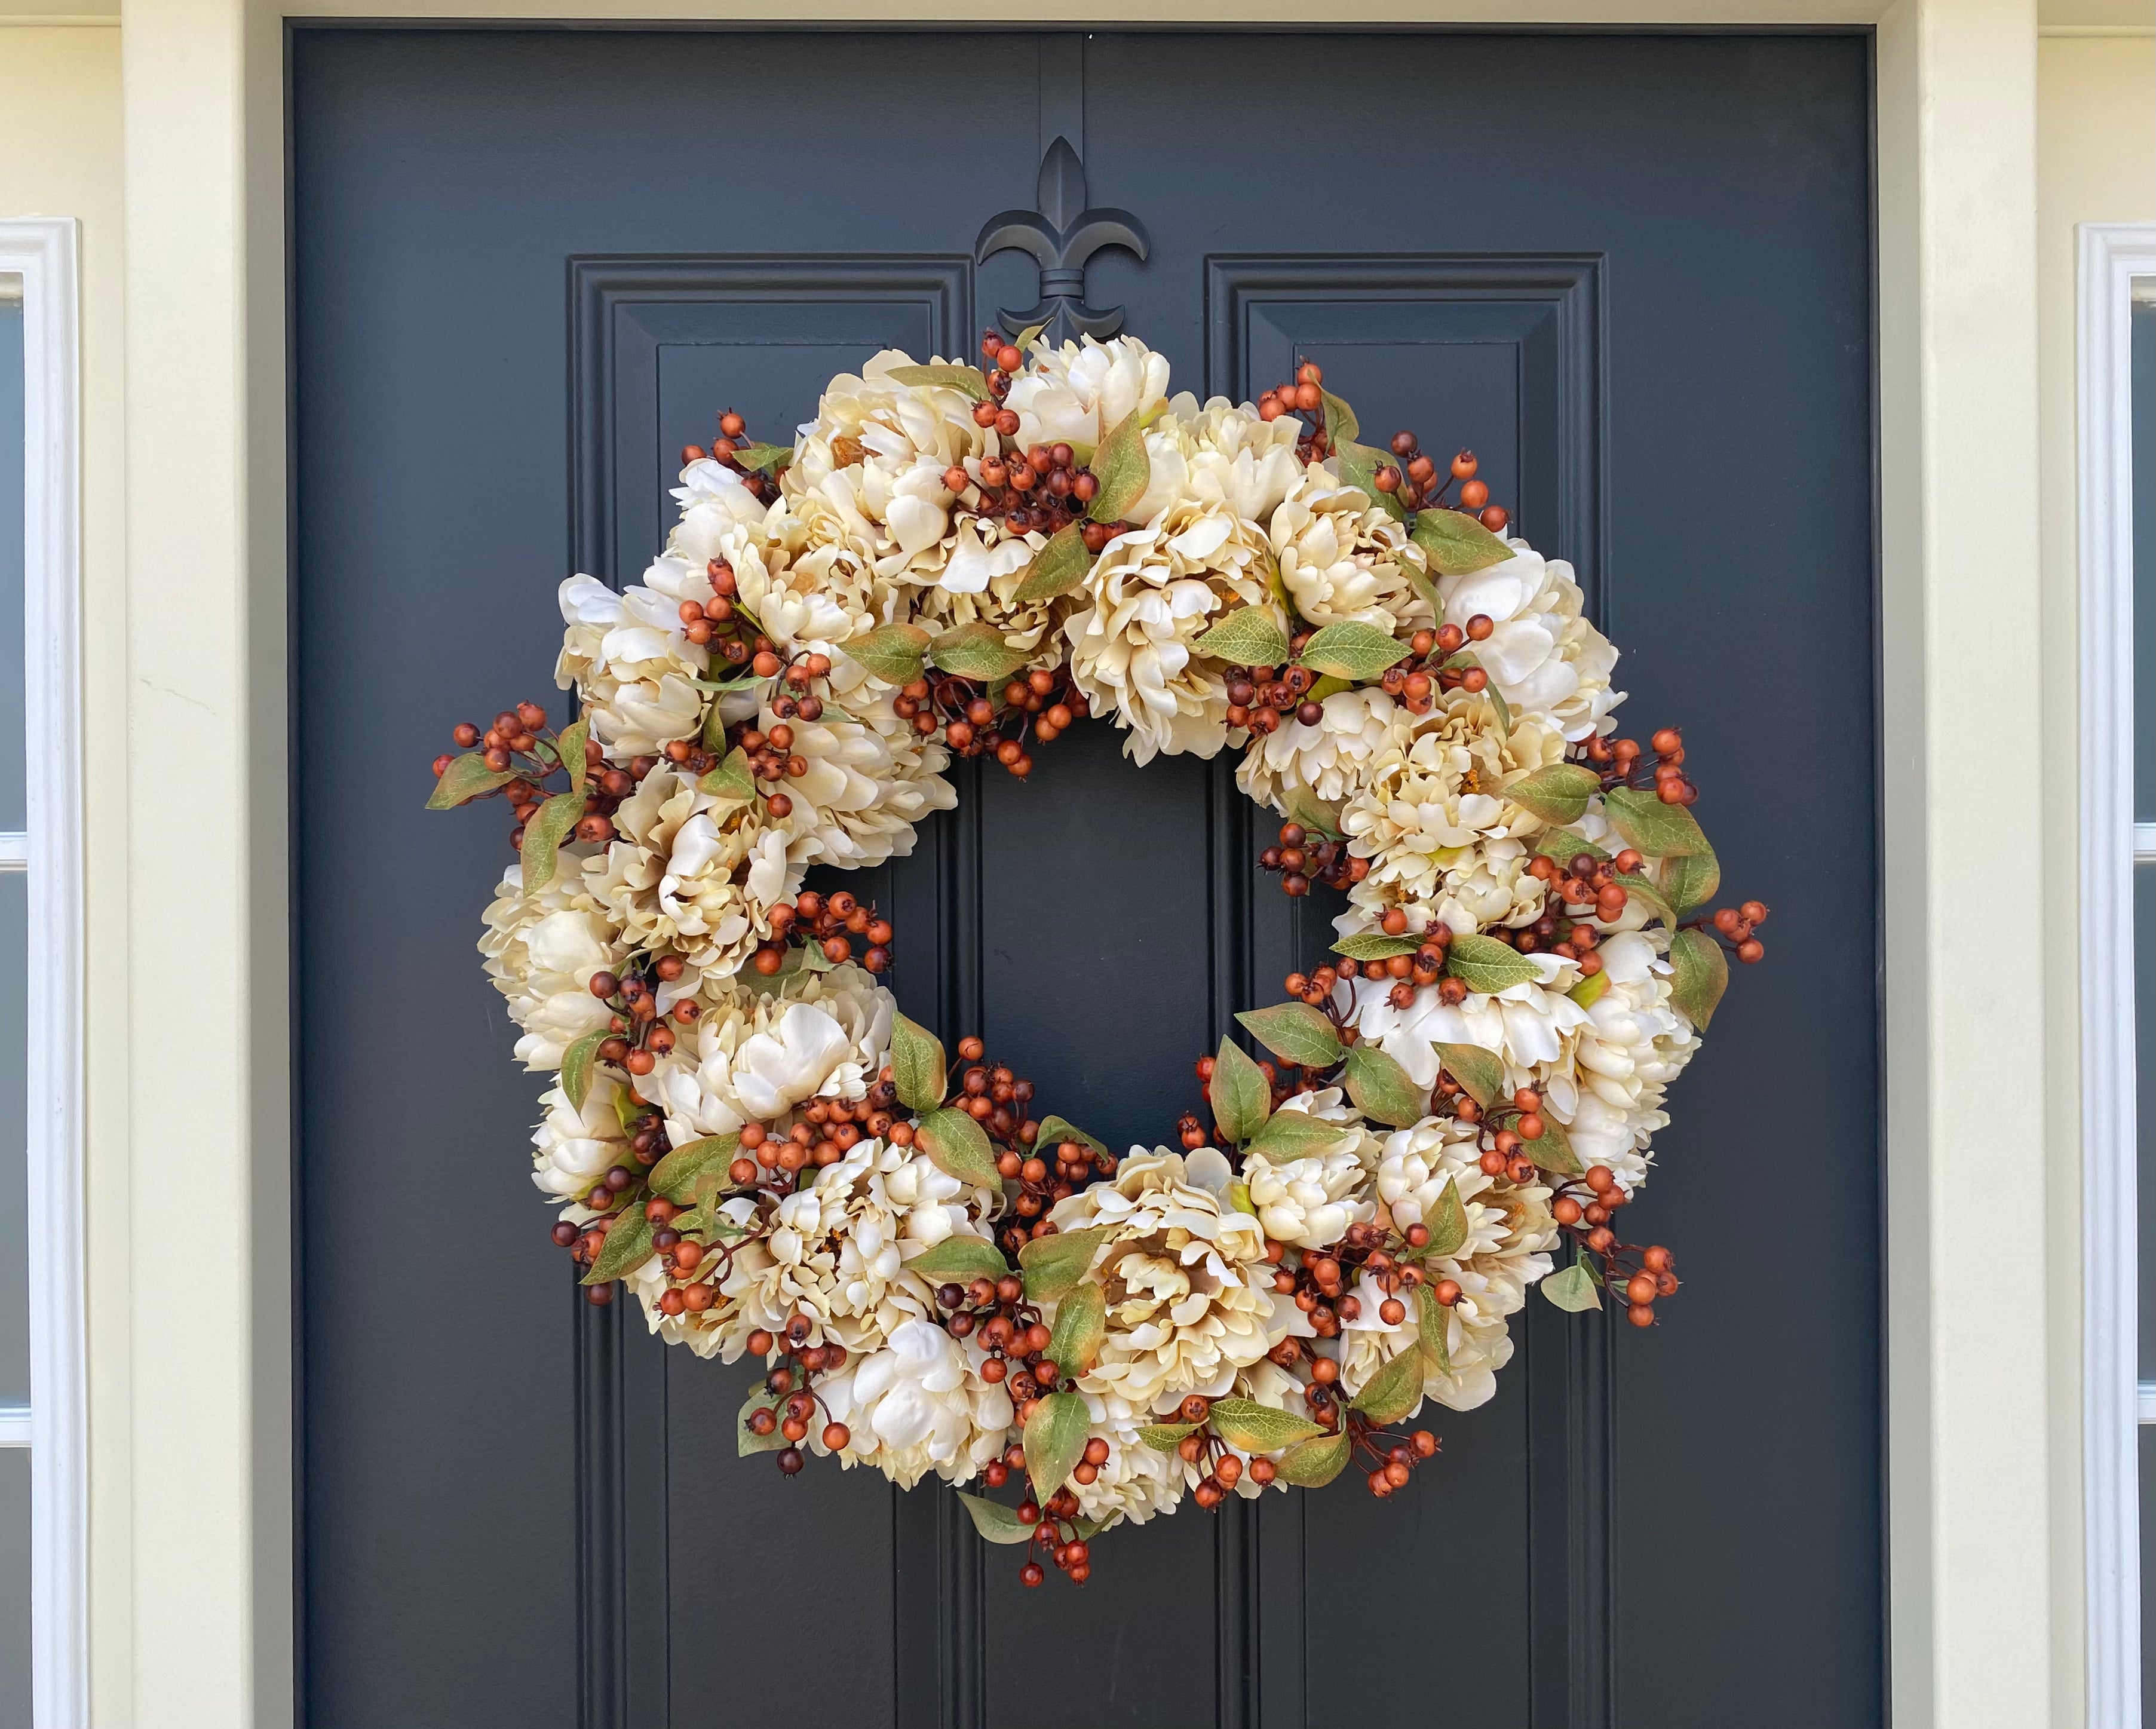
1061	237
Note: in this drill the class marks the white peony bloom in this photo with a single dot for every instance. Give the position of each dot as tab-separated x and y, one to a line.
1543	656
1309	1201
573	1149
871	777
1189	1288
625	654
1224	454
1525	1024
919	1404
1150	595
715	509
756	1055
1079	393
1331	759
542	951
1343	558
1137	1480
692	872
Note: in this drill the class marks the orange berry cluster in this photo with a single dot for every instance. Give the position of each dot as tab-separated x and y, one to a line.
1618	761
719	625
1302	859
1041	488
832	925
1043	702
520	739
790	1383
733	433
1582	1208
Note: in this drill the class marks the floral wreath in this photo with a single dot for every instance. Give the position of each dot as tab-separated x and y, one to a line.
741	1128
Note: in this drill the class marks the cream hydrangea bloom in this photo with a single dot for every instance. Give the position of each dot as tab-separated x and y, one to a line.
692	872
1332	759
1149	596
625	654
1079	393
757	1053
919	1404
1343	558
541	951
1543	656
1189	1288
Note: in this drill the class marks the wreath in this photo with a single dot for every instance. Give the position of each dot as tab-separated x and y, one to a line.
742	1129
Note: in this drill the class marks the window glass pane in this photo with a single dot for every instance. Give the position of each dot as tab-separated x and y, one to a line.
15	1586
2144	555
11	556
14	1166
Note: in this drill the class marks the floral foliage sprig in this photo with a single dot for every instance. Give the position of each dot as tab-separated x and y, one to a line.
1459	1103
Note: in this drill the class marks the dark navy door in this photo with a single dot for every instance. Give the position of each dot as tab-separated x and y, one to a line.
1633	274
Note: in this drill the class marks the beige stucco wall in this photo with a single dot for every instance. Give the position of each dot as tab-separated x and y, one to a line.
60	156
2096	161
60	152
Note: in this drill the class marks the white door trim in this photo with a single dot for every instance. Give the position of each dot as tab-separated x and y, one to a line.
2113	255
42	250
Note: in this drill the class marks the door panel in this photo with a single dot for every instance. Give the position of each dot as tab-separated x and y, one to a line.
528	268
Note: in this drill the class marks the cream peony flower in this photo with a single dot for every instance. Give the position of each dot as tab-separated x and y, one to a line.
714	506
1080	392
1543	656
1526	1024
919	1404
1189	1288
1331	759
1150	595
1343	558
871	779
1309	1201
573	1149
626	656
757	1055
692	872
1138	1479
542	951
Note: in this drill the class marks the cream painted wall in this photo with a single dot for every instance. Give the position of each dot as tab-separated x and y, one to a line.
2096	161
60	156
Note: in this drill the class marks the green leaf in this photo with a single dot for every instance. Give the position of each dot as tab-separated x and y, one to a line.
1054	1130
894	653
1689	879
756	459
954	1143
1054	1265
1431	1329
964	379
1356	651
1293	1134
1480	1072
674	1177
1647	895
626	1247
1659	830
1165	1437
978	651
746	1439
1552	1149
576	1067
1241	1096
1055	1441
995	1522
1081	1323
1058	567
1376	945
960	1261
732	778
1394	1392
1303	807
1566	844
1557	791
569	747
1571	1290
1589	991
468	776
1358	468
1257	1429
1340	421
1123	469
1457	542
713	735
1315	1463
1426	591
1381	1089
1250	636
543	835
1699	974
1297	1032
1484	964
918	1065
1446	1222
